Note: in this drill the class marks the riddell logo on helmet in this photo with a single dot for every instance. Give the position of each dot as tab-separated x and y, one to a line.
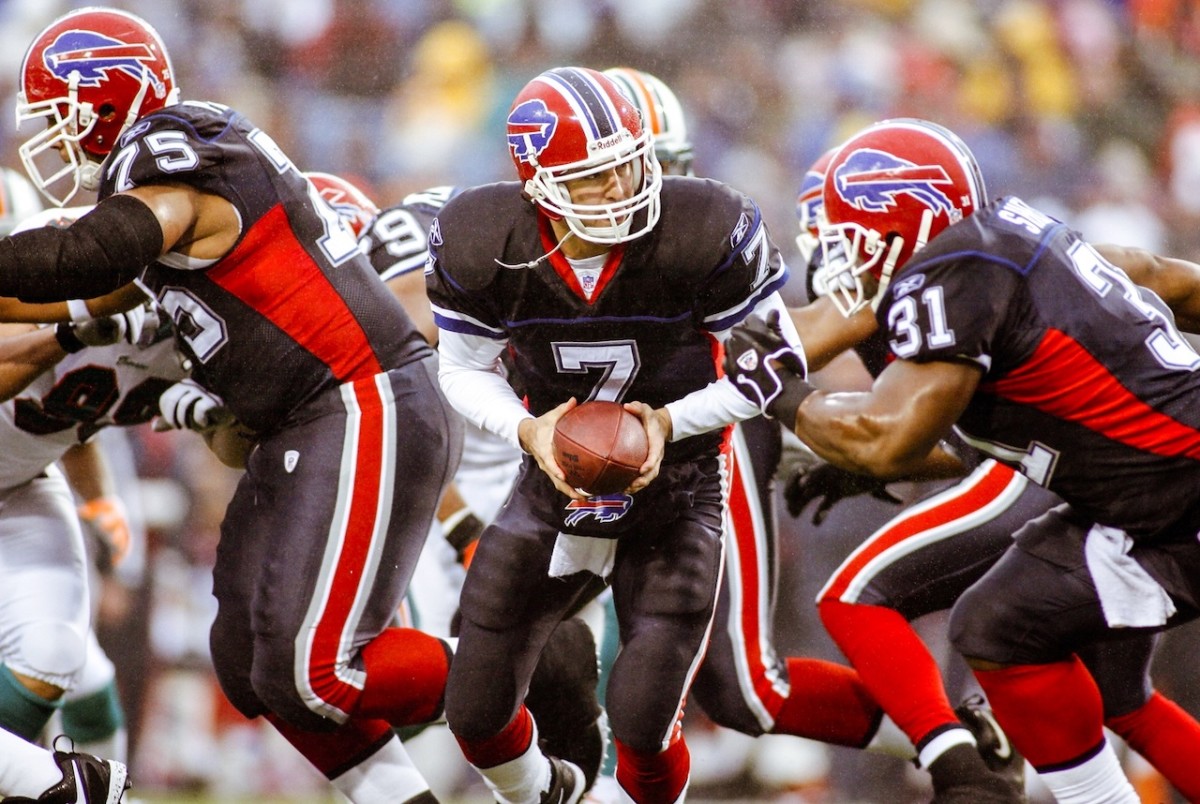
92	55
531	126
871	180
613	141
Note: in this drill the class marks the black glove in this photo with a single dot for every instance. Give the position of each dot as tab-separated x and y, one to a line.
765	368
829	484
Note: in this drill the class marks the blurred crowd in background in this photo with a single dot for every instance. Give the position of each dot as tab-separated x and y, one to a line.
1089	109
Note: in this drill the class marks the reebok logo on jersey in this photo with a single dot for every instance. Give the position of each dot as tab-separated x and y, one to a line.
907	285
290	459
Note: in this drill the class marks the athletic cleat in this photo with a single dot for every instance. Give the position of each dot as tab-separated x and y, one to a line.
562	699
960	777
86	780
1000	755
567	784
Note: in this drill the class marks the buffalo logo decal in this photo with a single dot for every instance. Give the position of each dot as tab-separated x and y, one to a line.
530	128
871	180
93	55
602	508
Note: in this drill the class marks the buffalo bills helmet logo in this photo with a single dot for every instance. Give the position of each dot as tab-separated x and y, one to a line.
531	126
871	180
92	55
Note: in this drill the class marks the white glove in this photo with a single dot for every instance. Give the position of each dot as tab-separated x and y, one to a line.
134	327
188	406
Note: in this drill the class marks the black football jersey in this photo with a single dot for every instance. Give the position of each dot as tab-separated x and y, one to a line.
397	241
295	307
645	334
1088	389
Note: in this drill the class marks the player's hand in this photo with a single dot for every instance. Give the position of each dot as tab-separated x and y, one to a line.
133	326
761	363
657	422
107	521
187	405
829	484
537	438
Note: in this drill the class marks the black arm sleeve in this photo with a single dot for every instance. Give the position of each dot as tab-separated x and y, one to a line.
100	252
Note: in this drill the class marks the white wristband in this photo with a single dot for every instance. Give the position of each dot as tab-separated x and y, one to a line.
79	311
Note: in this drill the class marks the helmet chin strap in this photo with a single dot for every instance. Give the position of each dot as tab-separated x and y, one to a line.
539	260
894	248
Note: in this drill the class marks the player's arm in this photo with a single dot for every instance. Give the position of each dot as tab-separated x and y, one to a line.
100	509
891	430
826	333
1175	281
109	246
26	352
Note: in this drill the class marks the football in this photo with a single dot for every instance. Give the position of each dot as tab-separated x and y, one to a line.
600	447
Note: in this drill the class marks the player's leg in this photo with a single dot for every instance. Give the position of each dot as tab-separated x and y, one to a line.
1156	727
316	549
510	608
92	715
917	563
743	684
665	588
1017	627
44	606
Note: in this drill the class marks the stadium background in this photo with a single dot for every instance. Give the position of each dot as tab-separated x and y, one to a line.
1089	109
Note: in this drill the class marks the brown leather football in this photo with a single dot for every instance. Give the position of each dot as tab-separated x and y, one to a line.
600	447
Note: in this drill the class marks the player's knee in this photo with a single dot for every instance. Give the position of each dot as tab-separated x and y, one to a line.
985	625
51	651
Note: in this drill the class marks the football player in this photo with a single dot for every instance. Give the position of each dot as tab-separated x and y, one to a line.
1064	370
284	320
604	280
62	384
924	557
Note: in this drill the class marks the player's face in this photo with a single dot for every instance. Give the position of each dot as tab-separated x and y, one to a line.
603	187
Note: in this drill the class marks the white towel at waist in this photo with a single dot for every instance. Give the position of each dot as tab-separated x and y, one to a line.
1130	597
578	553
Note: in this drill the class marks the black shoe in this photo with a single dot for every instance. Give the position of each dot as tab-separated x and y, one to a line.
960	777
86	780
1000	755
566	783
562	699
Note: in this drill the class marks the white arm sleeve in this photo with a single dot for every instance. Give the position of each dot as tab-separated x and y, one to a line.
719	403
471	378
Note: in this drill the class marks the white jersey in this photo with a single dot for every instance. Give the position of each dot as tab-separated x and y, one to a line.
87	390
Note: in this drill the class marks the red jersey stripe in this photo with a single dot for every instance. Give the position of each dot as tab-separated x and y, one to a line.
1064	380
271	272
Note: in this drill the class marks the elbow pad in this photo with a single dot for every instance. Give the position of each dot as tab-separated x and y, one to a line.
100	252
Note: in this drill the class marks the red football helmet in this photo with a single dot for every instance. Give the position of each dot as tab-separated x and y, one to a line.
810	207
88	76
572	122
351	204
662	113
888	191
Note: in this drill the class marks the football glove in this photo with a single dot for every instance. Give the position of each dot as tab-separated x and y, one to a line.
134	327
830	484
187	405
765	368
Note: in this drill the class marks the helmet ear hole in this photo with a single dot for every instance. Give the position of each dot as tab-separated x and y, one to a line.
106	111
